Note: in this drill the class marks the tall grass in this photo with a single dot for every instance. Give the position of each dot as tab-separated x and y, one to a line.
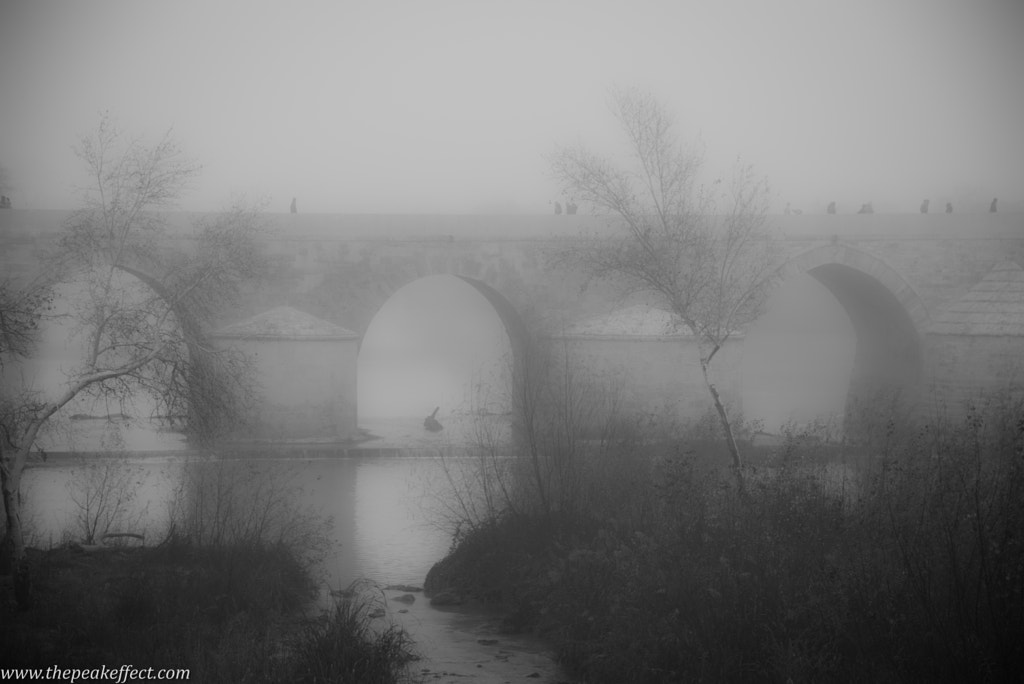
348	648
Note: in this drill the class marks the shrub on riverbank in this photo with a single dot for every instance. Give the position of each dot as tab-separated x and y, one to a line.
228	614
907	567
346	648
226	594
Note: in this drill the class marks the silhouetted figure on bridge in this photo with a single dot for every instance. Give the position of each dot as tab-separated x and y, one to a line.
991	207
924	207
831	207
294	207
431	423
558	207
949	207
866	208
570	207
5	202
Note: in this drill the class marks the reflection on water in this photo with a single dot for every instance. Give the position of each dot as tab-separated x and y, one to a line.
381	524
382	528
396	542
49	492
380	505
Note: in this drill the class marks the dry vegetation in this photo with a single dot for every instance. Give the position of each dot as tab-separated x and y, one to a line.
229	593
900	559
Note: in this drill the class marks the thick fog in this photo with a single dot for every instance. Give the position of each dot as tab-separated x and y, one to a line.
450	106
435	343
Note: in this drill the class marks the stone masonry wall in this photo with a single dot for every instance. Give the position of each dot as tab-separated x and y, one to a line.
965	370
658	377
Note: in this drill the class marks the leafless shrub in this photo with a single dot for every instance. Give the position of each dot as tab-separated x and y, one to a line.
104	492
220	502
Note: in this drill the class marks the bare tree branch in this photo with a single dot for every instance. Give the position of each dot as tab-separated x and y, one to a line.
701	250
138	307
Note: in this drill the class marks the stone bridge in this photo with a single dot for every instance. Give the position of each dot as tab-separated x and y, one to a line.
936	300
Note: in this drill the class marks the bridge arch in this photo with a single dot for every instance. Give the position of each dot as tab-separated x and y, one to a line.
515	328
208	403
475	318
203	402
889	320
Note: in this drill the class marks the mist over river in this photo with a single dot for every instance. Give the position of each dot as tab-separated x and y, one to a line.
388	498
385	504
384	500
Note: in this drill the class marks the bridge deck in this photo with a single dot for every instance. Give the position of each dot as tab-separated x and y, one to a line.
19	224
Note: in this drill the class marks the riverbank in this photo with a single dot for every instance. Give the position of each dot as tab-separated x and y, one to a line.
230	613
907	567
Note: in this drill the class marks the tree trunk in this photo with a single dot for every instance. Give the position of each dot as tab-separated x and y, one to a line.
14	541
524	407
730	439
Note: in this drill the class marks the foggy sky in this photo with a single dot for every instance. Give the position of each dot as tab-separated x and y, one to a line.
446	106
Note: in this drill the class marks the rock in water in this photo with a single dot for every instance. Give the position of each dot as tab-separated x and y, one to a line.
431	422
402	587
446	598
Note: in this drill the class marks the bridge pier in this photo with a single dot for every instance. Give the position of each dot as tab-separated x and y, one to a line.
305	371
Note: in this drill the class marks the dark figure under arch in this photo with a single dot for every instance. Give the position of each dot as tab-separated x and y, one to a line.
431	423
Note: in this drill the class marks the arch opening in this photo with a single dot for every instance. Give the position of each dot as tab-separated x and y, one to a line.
839	345
798	357
887	365
443	341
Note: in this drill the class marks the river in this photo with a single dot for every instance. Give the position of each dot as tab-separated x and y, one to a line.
386	503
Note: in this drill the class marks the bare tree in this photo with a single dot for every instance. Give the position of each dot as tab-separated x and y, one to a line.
21	310
135	306
700	250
